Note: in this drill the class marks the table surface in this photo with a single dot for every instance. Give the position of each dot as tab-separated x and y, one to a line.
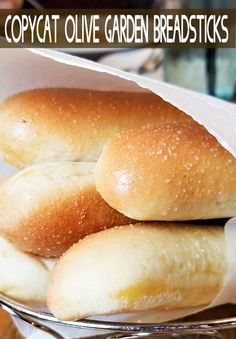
9	331
7	327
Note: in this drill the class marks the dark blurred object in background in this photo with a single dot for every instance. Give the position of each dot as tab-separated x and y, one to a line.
11	4
92	4
210	71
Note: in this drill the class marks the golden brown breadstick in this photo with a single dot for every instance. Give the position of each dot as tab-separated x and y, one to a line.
62	124
46	208
174	172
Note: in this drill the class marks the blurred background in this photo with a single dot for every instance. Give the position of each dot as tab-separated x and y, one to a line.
210	71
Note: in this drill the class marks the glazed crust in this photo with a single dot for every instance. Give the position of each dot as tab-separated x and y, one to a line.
178	171
59	124
46	208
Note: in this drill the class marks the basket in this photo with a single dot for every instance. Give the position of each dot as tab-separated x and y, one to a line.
123	330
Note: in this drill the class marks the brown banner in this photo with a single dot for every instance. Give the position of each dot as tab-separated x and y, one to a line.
118	28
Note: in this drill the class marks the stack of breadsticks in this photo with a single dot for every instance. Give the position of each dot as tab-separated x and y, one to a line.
109	183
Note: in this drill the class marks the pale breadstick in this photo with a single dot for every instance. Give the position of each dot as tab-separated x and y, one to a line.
139	267
22	277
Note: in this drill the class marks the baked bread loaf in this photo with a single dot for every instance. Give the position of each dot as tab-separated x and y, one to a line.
174	172
22	277
139	267
46	208
59	124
